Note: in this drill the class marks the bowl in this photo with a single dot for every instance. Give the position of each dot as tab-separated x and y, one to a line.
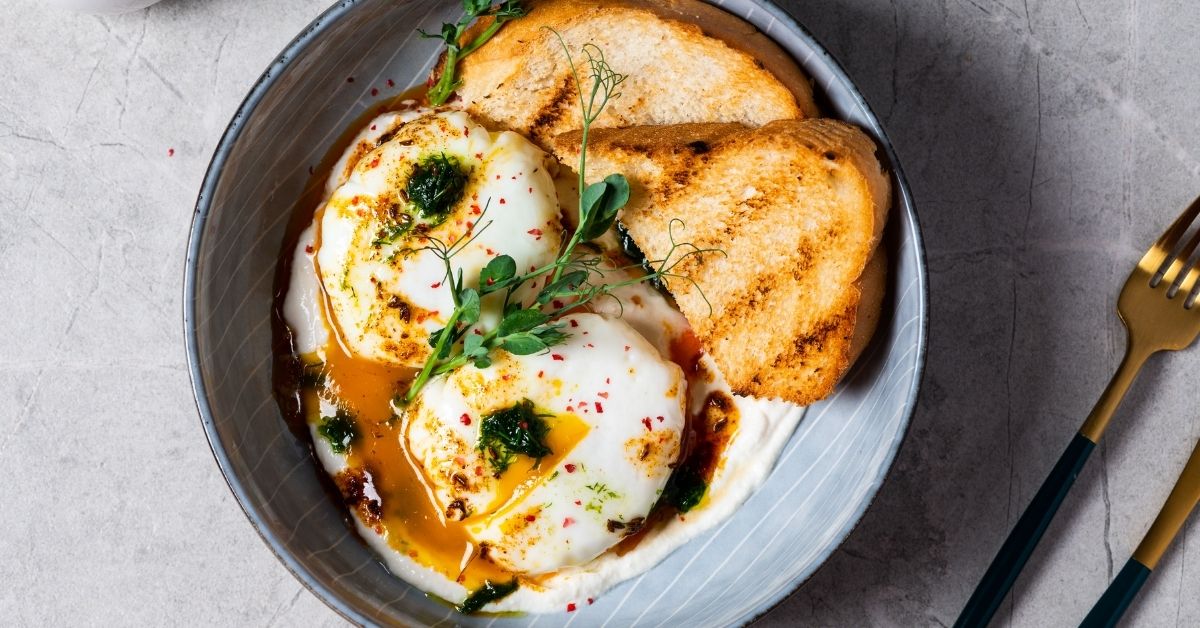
333	72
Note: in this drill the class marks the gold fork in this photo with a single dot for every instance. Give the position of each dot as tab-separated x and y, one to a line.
1156	306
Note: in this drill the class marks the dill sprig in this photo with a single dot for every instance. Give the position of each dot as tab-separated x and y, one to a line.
452	35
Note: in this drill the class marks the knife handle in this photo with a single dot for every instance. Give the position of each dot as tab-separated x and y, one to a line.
1166	526
1108	611
1019	545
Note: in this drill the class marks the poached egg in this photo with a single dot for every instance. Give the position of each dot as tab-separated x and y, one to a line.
612	410
387	290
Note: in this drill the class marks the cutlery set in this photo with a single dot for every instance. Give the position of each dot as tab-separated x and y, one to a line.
1157	307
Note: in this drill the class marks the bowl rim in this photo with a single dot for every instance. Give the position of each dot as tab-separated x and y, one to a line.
203	206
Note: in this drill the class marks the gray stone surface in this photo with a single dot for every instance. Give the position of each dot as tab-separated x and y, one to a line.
1047	143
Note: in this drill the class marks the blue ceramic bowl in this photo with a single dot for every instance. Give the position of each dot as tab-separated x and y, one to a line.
824	480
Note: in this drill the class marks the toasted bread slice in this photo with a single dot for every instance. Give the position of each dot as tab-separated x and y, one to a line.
678	71
798	207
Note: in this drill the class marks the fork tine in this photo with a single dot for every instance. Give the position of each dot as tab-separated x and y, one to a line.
1173	275
1158	254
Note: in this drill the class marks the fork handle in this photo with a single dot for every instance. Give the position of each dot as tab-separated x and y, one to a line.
1019	545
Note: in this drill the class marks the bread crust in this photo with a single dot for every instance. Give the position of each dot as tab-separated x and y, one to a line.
686	60
797	206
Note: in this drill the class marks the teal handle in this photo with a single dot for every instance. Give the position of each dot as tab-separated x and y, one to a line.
1019	545
1111	606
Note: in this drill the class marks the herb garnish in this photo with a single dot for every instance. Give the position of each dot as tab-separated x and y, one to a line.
515	430
451	34
488	593
526	330
685	488
436	184
338	430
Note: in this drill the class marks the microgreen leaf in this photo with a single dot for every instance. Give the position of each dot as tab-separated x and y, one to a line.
566	286
519	321
469	304
523	344
496	275
599	206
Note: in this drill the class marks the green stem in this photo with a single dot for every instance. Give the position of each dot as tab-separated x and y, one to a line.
445	85
427	371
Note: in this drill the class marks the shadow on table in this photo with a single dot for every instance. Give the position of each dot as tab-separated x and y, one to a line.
1000	397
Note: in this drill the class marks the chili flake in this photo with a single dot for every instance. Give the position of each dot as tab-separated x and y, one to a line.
569	467
571	607
646	422
465	419
556	357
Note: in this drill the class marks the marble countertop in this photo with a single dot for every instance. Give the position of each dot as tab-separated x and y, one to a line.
1047	142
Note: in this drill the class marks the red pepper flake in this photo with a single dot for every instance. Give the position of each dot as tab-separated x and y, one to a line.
574	323
531	190
603	395
627	347
467	131
436	285
479	156
590	346
566	524
514	178
607	380
475	209
590	600
375	162
558	304
646	422
478	470
374	92
535	232
465	419
531	518
308	249
569	467
497	177
170	152
478	332
571	606
599	408
349	79
556	357
372	127
391	83
578	503
490	251
541	373
660	419
502	201
470	225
